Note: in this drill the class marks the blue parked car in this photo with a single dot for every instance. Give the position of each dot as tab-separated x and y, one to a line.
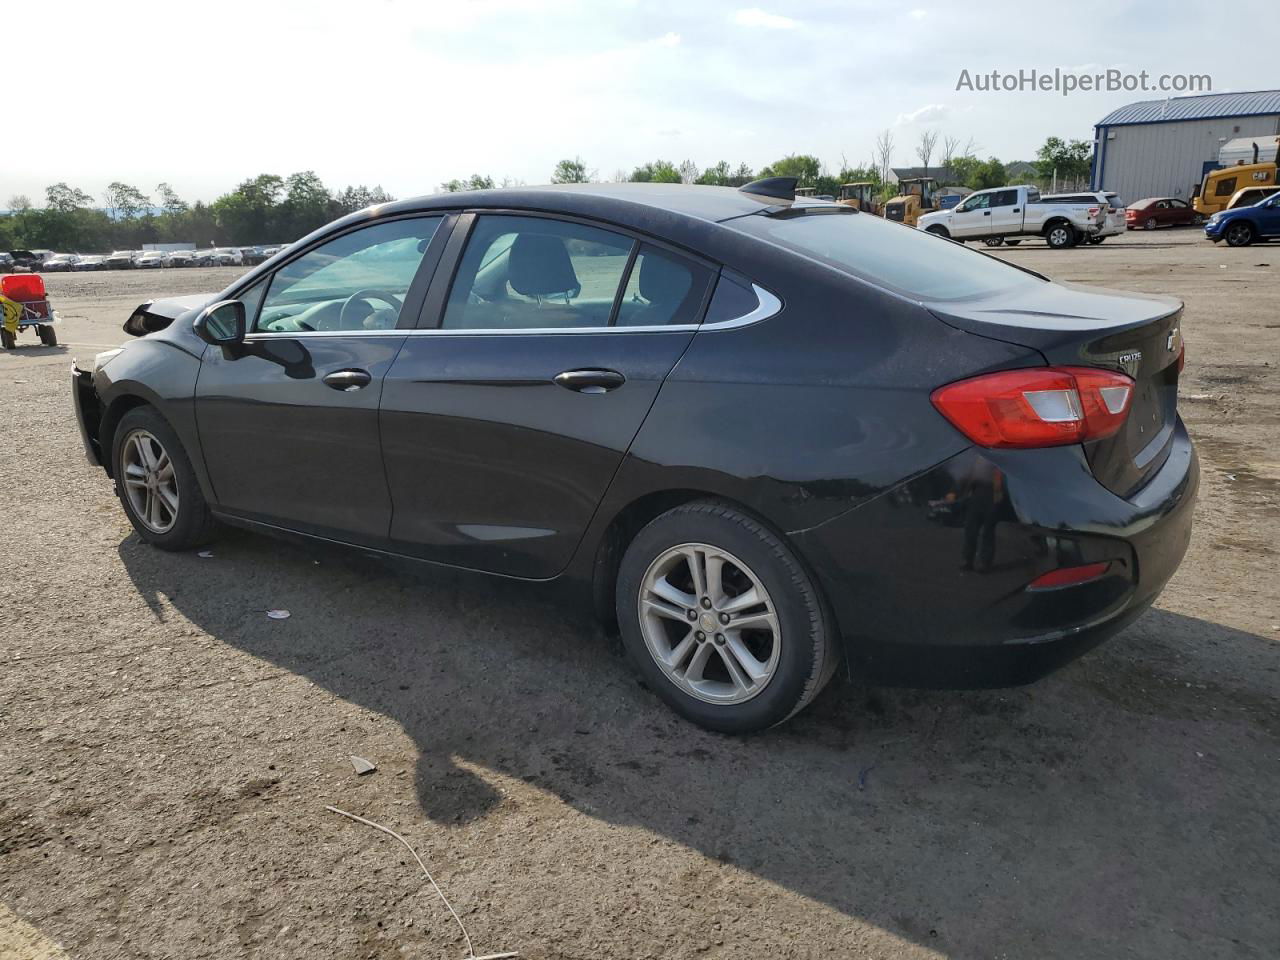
1243	225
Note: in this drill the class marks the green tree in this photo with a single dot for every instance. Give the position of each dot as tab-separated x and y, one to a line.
65	199
571	171
170	203
717	176
1067	159
125	201
659	171
475	182
805	168
989	173
964	167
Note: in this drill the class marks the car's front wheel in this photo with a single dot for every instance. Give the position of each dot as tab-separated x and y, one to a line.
994	241
156	483
722	620
1239	235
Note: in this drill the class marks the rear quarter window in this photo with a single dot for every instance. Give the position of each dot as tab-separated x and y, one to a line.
900	258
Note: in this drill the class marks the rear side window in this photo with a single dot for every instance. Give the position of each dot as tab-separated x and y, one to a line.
663	289
889	254
732	300
1004	198
530	273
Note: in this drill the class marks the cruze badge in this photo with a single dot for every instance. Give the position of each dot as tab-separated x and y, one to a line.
1130	361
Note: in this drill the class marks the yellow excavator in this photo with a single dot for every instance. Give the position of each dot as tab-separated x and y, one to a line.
860	196
916	195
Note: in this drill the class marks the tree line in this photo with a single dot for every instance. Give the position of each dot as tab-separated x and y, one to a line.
272	209
265	209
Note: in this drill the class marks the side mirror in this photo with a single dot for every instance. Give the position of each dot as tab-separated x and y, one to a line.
221	324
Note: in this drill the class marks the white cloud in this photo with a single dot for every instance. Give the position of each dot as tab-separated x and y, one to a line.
929	113
755	17
671	39
918	14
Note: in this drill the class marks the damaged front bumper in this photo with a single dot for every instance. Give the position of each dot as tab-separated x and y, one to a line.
88	412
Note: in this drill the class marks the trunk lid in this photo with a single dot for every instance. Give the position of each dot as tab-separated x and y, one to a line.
1135	334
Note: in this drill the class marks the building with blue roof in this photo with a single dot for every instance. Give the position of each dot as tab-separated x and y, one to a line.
1163	148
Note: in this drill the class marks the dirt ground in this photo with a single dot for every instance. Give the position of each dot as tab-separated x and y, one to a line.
167	751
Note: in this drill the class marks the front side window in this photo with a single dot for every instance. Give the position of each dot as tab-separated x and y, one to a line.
979	201
357	281
1226	187
524	273
912	262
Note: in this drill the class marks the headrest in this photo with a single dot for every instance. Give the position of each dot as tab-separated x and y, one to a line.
662	281
540	266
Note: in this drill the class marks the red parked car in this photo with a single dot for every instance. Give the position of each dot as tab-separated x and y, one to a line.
1161	212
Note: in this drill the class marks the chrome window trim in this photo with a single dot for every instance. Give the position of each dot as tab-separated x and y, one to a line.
767	306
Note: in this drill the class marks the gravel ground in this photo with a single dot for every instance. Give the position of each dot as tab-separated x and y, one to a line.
168	751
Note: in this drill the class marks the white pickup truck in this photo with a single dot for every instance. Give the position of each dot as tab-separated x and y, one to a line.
1011	213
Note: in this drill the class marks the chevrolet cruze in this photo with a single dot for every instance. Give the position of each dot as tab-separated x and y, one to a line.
770	437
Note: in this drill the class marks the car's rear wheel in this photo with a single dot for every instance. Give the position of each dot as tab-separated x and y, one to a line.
721	619
1060	236
48	336
1149	223
1239	235
1012	243
994	241
156	483
1095	239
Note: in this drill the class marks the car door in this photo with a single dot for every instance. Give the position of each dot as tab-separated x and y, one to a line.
1266	216
1180	212
1006	213
972	217
288	421
505	417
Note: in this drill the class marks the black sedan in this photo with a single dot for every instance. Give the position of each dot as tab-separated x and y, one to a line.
769	436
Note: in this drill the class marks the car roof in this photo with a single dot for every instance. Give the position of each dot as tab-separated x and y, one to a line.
687	200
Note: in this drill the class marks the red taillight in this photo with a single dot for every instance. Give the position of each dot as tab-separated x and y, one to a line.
1069	576
1037	406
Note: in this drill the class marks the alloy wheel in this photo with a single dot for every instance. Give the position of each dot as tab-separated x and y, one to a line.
150	481
709	623
1058	237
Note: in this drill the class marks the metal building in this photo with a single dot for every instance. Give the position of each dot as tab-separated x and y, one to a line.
1162	148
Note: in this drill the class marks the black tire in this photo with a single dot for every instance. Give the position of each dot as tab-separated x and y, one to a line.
193	524
994	241
806	650
939	232
48	336
1095	239
1149	223
7	339
1012	243
1239	234
1060	235
1198	220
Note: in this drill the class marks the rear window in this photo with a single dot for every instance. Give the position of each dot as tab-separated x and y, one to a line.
902	258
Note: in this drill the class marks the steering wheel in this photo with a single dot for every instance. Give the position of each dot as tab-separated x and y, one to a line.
367	294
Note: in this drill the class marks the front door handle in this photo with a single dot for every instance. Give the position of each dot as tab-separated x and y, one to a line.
986	213
591	381
348	380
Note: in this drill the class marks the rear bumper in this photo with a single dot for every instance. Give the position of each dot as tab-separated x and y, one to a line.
929	580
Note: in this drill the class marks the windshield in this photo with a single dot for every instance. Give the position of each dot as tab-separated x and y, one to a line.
888	254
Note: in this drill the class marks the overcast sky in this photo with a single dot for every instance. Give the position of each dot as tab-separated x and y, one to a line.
409	94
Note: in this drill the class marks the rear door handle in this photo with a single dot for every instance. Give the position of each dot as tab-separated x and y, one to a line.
591	381
348	380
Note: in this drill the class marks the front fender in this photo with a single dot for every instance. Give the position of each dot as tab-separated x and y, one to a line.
160	372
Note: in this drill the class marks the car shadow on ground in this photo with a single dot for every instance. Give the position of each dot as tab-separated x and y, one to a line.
1121	807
